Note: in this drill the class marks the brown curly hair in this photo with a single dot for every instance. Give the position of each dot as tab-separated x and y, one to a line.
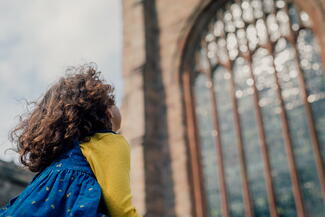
75	107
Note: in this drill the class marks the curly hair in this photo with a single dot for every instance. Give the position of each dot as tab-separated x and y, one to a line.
75	107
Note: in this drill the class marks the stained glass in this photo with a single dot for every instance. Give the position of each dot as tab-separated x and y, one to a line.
229	142
218	28
250	137
273	27
222	50
268	6
203	60
237	16
266	85
283	20
287	71
252	36
258	9
261	32
280	4
229	25
212	48
207	144
314	75
239	33
232	45
294	17
248	14
305	19
242	40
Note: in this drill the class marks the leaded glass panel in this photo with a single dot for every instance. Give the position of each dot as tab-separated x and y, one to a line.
229	141
270	106
244	94
286	65
207	144
311	64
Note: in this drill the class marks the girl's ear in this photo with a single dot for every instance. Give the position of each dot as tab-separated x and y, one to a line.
116	117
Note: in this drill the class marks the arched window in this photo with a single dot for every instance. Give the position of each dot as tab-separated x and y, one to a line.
255	101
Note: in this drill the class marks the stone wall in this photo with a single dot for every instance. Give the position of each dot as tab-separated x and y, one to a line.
12	181
152	106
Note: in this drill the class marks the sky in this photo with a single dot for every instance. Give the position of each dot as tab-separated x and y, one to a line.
40	39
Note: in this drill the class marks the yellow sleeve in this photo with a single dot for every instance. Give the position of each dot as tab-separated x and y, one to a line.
109	157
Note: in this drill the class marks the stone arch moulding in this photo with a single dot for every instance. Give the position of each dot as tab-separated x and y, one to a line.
194	25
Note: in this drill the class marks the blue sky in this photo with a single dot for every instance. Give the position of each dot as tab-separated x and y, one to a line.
39	39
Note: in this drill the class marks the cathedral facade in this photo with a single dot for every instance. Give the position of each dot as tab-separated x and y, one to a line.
224	106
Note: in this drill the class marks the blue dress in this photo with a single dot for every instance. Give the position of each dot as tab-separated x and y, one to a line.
67	187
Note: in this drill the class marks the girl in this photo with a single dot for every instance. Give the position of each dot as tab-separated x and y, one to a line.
69	139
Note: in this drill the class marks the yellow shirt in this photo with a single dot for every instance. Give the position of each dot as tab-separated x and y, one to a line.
109	157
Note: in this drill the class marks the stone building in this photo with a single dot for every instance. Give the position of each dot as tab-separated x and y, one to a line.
224	106
12	181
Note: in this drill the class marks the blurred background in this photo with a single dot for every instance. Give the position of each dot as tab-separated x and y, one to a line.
40	39
223	102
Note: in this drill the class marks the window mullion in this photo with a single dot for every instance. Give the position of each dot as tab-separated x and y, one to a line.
196	170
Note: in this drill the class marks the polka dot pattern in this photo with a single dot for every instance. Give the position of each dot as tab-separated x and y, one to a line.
66	188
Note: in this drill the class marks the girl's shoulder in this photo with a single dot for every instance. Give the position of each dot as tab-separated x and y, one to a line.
105	147
65	188
106	138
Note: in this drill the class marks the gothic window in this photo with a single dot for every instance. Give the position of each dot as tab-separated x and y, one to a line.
258	101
